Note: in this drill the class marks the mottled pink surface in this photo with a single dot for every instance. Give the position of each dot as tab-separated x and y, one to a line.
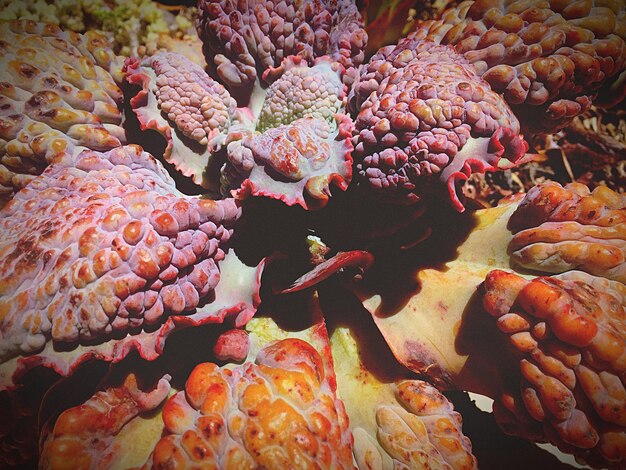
58	93
424	118
107	249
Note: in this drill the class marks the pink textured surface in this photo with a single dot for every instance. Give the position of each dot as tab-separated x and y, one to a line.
243	39
198	105
425	117
102	247
547	57
298	90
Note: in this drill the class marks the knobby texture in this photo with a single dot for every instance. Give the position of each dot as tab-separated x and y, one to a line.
199	110
426	120
107	246
278	412
421	431
549	58
299	144
570	336
244	39
58	94
562	228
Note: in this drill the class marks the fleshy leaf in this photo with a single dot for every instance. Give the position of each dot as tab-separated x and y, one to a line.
548	59
112	258
427	121
562	228
403	422
191	110
88	436
242	40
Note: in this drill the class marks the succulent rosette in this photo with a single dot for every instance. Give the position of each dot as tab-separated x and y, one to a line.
547	58
297	143
58	94
106	256
242	40
128	309
426	119
191	110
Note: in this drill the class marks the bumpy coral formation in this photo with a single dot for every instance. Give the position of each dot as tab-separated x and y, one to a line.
83	436
195	105
244	39
570	334
421	431
547	57
424	116
58	93
562	228
105	246
279	412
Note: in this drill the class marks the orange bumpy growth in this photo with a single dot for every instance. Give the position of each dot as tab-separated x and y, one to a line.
570	333
278	412
83	436
561	228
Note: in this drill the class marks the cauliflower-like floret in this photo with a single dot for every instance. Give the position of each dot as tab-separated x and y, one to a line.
547	57
244	39
424	116
197	108
58	93
105	245
570	335
561	228
277	412
298	90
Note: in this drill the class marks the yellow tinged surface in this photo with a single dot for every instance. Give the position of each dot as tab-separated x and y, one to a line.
441	334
